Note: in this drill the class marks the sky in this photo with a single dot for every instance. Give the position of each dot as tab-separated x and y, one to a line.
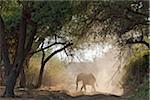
89	53
85	55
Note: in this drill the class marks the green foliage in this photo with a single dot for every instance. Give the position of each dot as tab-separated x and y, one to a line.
138	56
51	14
76	19
137	77
142	93
10	11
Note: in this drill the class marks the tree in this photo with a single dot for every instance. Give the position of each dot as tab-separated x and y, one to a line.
127	21
30	26
12	70
79	21
46	59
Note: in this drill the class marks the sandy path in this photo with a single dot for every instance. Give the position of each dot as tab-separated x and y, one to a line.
37	94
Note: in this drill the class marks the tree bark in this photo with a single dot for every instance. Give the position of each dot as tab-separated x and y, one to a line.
22	79
2	75
39	83
10	84
13	70
23	74
45	60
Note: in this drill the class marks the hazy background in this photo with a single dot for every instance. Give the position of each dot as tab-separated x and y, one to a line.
103	67
103	62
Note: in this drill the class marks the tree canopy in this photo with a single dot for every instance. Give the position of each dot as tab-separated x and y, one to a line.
27	24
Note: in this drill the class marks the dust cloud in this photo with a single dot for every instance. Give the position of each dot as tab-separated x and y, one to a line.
103	69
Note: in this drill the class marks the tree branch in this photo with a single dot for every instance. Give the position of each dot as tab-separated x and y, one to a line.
43	54
48	47
4	49
138	42
19	59
55	52
31	37
135	12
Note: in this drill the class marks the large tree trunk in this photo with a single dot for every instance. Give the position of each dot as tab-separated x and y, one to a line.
5	56
1	75
10	84
12	70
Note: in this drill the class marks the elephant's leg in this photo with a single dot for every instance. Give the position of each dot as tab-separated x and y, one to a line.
84	87
81	87
93	86
76	86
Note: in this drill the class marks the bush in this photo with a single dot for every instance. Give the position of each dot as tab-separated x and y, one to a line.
142	92
137	77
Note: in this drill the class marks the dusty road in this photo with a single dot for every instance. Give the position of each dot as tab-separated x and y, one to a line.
67	97
37	94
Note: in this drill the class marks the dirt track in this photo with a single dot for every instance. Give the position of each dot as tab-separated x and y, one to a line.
57	95
67	97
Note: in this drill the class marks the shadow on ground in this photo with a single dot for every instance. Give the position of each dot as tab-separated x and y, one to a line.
60	95
36	94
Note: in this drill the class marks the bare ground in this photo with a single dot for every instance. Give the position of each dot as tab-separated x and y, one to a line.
45	94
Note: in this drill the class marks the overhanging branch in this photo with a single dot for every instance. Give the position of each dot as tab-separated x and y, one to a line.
62	43
138	42
55	52
138	13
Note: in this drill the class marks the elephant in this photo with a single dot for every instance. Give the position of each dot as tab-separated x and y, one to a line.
87	79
